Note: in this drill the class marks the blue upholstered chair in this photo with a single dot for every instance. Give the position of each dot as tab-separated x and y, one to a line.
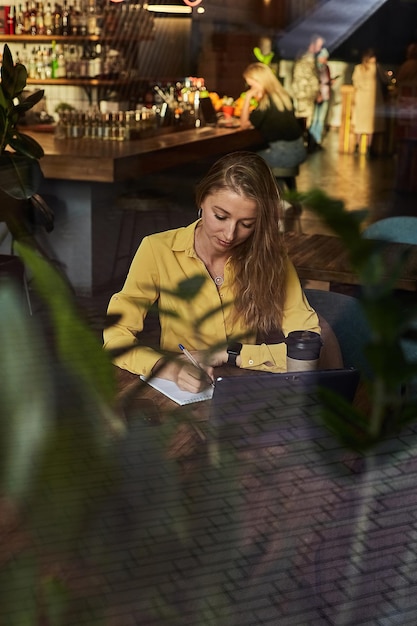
346	318
400	228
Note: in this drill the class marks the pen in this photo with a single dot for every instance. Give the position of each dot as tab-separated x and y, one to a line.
194	361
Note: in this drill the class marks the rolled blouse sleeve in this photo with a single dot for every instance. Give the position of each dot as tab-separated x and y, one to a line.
298	315
139	293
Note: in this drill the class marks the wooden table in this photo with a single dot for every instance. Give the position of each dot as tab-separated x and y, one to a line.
325	258
132	392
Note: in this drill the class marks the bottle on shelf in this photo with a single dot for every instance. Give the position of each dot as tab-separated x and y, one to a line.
19	27
54	60
40	25
122	129
57	20
61	64
40	64
66	22
92	18
114	128
106	125
32	64
72	62
47	61
33	18
24	56
100	124
97	66
48	20
26	19
85	62
83	21
91	61
11	21
75	15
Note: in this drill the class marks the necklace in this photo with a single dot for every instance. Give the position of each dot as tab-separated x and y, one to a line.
217	279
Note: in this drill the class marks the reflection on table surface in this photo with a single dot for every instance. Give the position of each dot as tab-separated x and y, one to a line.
256	535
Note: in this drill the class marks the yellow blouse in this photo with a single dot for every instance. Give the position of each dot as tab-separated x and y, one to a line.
161	262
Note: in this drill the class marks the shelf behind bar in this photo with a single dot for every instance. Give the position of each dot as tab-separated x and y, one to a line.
70	38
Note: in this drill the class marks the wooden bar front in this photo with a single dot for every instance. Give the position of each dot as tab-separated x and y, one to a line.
96	160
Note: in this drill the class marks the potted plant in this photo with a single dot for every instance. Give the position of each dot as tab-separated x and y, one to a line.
57	399
20	172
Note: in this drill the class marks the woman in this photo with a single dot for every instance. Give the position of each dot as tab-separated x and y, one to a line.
250	290
274	118
321	106
305	86
368	111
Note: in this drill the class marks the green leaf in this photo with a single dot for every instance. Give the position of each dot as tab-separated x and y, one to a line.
347	424
43	210
56	599
26	145
189	288
20	176
7	64
32	99
26	399
78	347
5	102
13	77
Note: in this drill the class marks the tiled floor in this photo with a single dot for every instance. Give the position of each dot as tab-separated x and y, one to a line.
302	532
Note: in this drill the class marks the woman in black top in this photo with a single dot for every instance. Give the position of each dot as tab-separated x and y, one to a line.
273	117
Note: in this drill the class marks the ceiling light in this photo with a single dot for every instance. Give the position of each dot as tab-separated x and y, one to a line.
168	8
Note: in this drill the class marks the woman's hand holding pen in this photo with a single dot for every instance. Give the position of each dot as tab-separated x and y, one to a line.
191	378
185	374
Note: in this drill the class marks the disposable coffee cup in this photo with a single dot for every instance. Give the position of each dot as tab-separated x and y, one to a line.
303	350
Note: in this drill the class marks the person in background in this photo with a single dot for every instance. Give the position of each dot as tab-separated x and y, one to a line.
305	86
274	118
407	72
321	106
368	111
250	283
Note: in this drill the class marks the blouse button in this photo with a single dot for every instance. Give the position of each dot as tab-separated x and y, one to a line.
250	361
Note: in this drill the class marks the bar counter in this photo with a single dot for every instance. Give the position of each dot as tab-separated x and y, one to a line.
107	161
84	178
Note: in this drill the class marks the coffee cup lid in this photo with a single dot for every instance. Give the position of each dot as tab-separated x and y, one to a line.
303	338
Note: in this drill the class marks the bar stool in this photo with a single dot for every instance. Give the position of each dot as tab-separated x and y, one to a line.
286	179
149	208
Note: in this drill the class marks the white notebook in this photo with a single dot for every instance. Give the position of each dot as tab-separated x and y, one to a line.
172	391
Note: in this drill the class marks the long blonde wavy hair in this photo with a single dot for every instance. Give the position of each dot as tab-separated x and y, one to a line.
273	89
259	263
